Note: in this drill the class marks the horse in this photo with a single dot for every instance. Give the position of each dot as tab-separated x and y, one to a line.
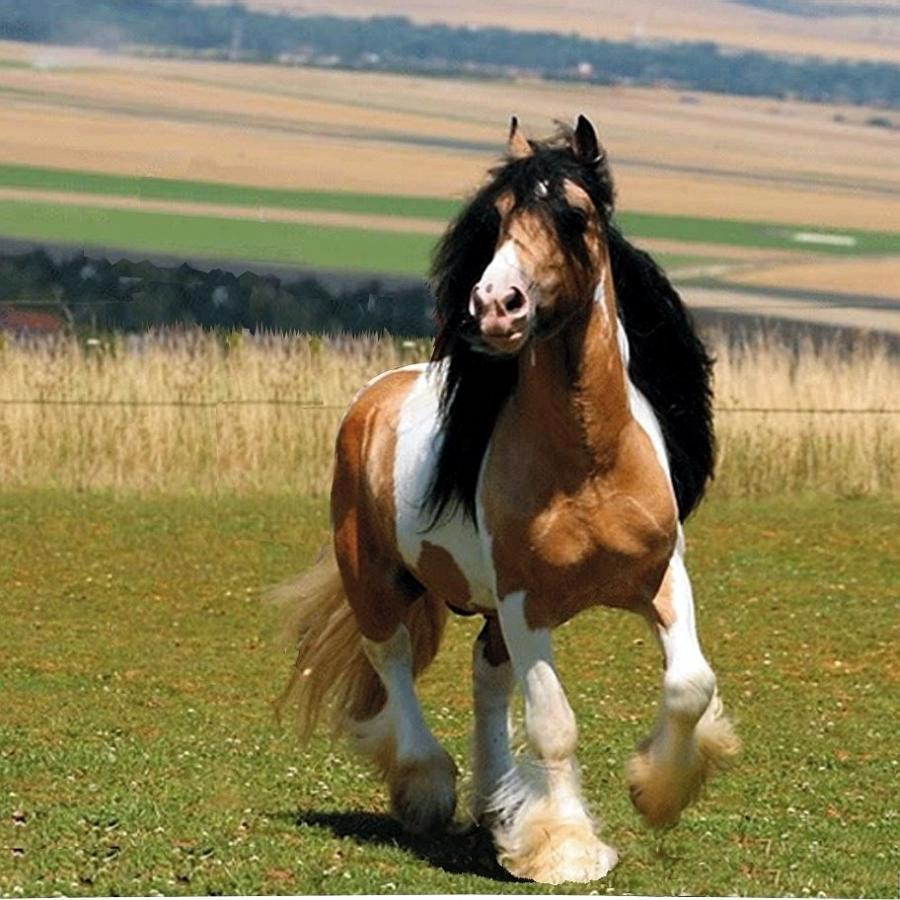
541	463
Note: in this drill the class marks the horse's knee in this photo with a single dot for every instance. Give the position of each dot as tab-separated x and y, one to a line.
395	651
687	694
549	721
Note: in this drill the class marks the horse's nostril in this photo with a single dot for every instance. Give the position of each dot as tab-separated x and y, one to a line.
514	301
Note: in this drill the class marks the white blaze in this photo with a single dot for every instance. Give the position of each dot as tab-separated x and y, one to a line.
504	272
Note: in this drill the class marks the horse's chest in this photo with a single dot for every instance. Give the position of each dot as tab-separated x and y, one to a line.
580	540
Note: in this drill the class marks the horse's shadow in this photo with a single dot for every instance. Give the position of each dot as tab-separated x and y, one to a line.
470	853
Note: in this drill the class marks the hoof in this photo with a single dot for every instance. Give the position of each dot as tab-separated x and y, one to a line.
423	794
660	793
568	853
661	788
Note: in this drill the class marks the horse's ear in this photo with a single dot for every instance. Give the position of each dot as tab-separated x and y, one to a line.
585	144
517	147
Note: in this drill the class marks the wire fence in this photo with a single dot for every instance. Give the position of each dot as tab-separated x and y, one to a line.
313	404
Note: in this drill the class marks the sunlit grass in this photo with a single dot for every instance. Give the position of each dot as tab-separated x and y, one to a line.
138	752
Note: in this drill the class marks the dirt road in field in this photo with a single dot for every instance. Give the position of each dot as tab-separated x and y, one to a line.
854	312
407	224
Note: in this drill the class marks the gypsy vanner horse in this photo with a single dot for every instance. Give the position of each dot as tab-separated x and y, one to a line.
540	464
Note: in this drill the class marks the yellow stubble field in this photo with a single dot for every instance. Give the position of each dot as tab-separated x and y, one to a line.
713	156
676	153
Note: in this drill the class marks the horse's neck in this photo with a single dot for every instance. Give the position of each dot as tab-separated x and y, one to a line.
574	387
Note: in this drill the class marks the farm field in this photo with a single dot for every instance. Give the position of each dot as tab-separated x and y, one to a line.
138	752
864	30
362	171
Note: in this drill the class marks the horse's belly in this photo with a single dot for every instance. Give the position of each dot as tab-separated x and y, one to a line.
449	558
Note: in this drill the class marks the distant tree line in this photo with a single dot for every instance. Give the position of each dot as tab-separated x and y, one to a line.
396	44
95	295
817	9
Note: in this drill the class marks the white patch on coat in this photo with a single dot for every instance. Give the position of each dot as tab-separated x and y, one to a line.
402	714
689	683
504	269
418	445
505	272
549	720
491	755
419	772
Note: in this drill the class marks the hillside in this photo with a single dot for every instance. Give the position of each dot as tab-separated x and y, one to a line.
856	29
397	44
361	171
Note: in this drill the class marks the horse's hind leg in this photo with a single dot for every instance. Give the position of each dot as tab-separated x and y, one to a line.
538	818
692	735
420	775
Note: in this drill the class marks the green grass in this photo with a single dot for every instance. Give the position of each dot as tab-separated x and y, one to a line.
638	225
754	234
316	246
138	753
148	188
313	246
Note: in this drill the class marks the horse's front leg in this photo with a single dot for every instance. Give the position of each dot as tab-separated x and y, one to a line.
692	736
538	817
493	684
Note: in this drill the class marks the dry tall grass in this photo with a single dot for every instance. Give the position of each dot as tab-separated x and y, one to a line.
179	413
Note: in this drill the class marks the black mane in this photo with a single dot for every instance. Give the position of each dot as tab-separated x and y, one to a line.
668	363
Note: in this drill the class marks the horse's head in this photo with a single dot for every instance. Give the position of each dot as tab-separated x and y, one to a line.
526	254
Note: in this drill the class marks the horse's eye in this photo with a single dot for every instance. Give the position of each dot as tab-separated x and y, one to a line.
574	220
490	219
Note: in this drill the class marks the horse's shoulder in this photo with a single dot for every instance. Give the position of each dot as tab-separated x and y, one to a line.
385	390
367	434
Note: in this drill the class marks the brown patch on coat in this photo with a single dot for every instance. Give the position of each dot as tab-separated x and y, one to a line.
504	204
578	197
437	568
663	604
363	512
550	273
495	649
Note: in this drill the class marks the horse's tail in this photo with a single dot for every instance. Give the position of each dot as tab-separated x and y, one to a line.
331	674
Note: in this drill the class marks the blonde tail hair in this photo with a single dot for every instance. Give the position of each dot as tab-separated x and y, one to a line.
332	676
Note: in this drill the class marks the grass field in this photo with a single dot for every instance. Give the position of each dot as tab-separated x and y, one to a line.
138	753
190	236
74	221
149	188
